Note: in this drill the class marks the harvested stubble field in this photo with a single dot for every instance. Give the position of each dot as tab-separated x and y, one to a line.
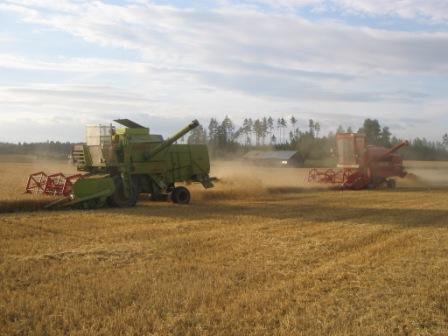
255	256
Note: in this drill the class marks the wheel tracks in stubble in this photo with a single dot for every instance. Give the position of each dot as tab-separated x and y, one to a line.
356	255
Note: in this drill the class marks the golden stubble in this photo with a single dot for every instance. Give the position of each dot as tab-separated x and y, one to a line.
254	256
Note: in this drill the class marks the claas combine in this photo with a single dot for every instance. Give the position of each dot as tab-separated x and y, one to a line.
116	165
361	166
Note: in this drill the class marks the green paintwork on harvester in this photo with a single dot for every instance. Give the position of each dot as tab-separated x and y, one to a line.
85	187
124	162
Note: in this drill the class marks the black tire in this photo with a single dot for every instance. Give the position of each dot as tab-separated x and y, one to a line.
391	184
118	200
180	195
376	183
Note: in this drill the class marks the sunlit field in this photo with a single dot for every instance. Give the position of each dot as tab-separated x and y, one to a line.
263	253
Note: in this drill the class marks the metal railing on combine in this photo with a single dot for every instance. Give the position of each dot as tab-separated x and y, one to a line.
330	175
56	184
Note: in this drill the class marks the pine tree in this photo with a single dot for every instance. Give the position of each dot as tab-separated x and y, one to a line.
372	129
264	129
279	129
311	127
317	128
270	123
197	136
247	130
293	121
258	128
385	137
213	131
284	125
228	128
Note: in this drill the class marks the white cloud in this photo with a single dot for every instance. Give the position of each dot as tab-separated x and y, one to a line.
46	106
240	61
211	40
430	11
69	94
70	64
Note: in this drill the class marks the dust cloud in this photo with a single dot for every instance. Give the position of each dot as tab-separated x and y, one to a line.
240	180
427	177
266	177
237	180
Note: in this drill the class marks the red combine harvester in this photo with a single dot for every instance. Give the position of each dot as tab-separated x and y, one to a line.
361	166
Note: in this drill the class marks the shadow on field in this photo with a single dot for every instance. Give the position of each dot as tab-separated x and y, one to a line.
310	211
287	191
295	204
9	206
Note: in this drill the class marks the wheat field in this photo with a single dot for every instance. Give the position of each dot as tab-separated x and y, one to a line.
261	254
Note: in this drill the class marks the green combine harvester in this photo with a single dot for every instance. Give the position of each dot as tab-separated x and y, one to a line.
122	163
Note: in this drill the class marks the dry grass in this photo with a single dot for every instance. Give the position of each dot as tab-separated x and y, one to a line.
14	172
251	257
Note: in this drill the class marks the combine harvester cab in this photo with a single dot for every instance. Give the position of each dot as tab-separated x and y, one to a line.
119	164
360	166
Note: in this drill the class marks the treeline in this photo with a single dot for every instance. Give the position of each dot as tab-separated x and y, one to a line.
50	149
224	138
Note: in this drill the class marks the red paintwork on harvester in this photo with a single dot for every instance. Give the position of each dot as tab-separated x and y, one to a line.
361	166
55	184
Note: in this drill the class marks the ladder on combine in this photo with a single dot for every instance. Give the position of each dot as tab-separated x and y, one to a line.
55	184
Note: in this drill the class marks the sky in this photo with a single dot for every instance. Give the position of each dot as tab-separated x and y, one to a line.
68	63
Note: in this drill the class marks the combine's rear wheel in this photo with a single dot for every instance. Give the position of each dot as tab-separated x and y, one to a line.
180	195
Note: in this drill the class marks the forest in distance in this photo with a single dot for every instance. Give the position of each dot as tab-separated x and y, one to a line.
226	139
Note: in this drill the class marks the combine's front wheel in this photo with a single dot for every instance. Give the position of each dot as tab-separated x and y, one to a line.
391	184
119	200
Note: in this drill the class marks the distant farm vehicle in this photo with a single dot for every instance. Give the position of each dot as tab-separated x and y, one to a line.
360	166
119	164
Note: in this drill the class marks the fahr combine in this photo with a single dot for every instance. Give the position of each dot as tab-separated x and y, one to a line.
115	165
361	166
